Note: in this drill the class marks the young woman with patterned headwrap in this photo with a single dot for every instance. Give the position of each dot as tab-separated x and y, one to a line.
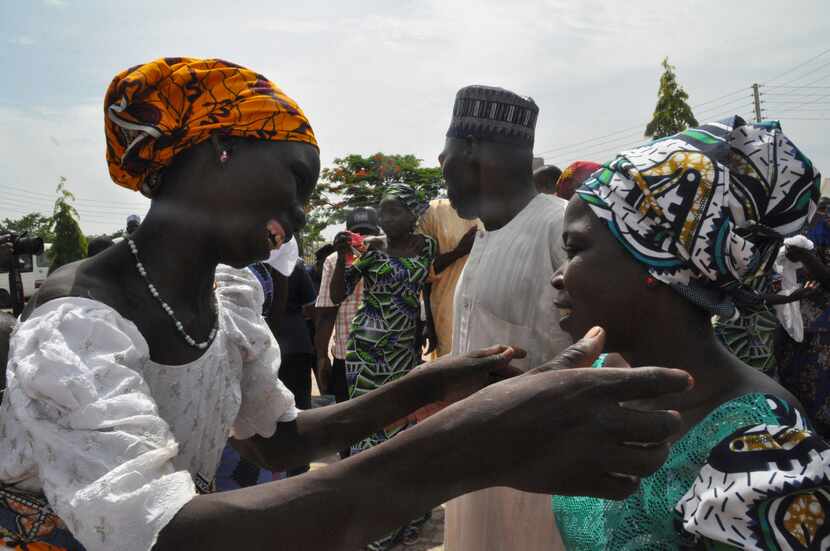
665	236
134	367
384	342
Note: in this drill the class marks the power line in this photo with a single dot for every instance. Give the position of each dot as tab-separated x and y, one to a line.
806	119
748	95
818	80
806	75
791	95
825	52
43	204
796	102
592	139
717	104
15	211
718	98
705	115
590	143
53	197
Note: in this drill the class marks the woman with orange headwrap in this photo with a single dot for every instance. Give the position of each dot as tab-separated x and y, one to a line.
134	366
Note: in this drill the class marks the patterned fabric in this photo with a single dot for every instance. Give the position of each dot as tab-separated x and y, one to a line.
382	342
236	472
815	311
707	209
804	368
414	200
764	487
751	336
573	176
493	114
28	523
346	310
157	110
750	476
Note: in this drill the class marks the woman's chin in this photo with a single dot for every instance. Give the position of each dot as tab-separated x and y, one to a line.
573	327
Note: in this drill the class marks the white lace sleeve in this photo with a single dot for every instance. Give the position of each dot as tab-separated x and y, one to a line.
265	399
103	454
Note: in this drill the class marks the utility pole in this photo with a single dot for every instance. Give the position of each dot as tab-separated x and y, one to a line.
757	97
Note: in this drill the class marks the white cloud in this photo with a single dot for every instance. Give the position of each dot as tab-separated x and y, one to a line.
381	76
41	144
55	3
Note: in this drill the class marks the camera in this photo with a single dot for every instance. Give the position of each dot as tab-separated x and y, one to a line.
21	244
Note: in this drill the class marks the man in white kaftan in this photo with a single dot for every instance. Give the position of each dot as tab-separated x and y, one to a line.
504	295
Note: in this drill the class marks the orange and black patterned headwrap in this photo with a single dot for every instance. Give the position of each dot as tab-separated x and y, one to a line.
152	112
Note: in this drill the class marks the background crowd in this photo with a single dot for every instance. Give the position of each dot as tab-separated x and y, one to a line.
171	364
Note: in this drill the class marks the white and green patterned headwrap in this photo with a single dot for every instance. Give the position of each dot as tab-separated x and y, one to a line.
707	209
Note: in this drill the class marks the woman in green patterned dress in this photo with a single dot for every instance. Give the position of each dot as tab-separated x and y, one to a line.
384	342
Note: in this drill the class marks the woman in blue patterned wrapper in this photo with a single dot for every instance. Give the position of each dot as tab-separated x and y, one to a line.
664	237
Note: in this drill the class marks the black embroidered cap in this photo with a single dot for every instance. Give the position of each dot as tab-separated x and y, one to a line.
493	114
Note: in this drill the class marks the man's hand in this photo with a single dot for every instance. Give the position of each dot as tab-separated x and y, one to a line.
562	429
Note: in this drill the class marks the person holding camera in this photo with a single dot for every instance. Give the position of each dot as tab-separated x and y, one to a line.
334	318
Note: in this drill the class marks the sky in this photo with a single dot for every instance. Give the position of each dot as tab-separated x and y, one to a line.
381	75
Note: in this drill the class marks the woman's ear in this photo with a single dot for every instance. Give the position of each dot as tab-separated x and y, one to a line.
222	148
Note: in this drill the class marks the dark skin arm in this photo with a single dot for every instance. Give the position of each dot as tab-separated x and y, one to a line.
812	263
444	456
323	431
326	318
465	245
337	288
430	335
810	289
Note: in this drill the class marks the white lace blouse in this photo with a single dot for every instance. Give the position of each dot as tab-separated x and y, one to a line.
119	443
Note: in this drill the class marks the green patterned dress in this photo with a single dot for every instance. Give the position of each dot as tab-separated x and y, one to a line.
751	475
382	343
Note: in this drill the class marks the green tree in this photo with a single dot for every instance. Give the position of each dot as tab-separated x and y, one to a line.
358	181
34	223
69	244
671	114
